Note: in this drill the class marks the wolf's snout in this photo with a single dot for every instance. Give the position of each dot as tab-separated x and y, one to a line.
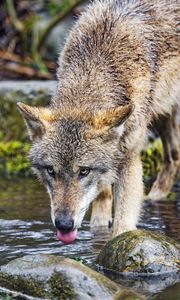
65	229
64	224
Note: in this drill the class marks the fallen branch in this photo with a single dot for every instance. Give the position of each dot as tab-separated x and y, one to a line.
9	56
23	70
5	55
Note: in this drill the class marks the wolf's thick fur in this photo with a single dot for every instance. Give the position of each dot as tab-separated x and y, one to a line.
118	73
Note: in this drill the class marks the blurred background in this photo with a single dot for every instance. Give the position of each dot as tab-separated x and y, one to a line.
32	34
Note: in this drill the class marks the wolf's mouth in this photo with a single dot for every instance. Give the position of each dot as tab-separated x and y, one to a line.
67	237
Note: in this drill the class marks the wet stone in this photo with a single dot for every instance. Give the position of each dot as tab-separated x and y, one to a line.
141	252
55	277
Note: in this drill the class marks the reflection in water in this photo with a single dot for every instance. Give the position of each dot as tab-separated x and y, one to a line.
147	285
25	228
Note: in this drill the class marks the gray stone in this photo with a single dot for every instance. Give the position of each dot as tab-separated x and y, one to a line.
26	89
53	277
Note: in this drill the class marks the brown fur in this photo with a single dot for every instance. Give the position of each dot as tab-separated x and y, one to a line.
117	73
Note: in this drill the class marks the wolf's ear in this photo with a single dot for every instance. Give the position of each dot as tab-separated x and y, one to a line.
33	120
112	118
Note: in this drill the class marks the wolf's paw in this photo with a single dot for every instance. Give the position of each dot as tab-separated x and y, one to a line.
100	222
156	194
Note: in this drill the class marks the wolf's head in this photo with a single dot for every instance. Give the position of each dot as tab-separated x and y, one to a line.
74	153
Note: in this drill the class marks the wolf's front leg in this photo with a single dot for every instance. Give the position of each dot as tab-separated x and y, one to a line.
128	195
102	209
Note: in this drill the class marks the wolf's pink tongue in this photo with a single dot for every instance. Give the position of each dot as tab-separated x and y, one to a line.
67	237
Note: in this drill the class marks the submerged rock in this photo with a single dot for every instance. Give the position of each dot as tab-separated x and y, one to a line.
141	252
148	284
54	277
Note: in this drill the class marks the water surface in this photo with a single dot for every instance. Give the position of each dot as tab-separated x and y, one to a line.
26	228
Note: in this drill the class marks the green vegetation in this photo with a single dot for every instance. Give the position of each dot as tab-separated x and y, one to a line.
152	157
14	159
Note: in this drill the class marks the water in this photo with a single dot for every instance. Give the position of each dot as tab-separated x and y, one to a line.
25	228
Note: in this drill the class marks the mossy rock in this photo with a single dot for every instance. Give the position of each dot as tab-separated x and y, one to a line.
30	92
140	252
56	277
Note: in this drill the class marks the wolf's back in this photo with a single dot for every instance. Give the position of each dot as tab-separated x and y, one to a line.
111	44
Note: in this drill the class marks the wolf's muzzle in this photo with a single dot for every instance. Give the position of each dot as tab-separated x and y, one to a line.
64	223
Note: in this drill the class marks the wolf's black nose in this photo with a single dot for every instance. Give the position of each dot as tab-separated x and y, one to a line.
64	224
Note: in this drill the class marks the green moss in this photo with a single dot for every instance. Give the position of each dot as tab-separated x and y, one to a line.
14	159
23	285
128	295
61	288
152	157
79	259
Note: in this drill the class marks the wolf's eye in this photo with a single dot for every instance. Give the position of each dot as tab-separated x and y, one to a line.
50	171
83	172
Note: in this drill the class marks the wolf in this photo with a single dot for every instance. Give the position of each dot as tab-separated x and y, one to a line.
118	74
